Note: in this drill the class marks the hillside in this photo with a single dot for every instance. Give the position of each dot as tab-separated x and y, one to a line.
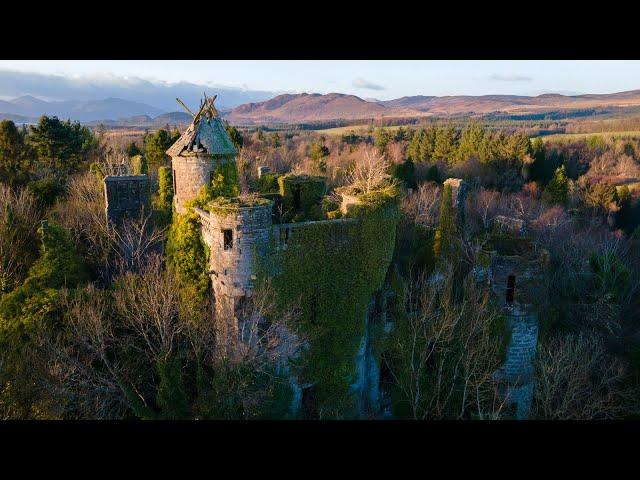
296	108
307	107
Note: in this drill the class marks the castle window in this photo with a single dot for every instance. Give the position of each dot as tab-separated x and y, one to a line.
511	288
228	239
296	197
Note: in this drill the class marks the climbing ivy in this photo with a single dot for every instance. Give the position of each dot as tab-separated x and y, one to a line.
330	271
162	202
224	183
187	254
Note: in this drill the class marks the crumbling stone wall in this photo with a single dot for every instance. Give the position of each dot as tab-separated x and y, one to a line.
521	307
125	196
459	196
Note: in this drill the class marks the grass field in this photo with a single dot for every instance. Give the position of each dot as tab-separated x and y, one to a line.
358	129
566	137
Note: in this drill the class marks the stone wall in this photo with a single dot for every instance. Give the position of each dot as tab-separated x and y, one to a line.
125	196
190	174
233	268
529	296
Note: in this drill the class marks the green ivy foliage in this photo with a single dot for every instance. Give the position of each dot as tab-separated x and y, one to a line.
139	165
303	205
321	262
162	202
59	266
267	183
187	253
442	247
225	182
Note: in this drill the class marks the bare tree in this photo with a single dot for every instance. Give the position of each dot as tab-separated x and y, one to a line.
368	172
19	220
446	352
577	380
423	204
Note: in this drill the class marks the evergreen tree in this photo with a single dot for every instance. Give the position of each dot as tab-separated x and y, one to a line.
14	162
235	135
60	146
557	190
382	139
156	145
133	150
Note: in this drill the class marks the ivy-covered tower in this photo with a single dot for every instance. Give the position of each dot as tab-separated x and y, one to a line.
200	151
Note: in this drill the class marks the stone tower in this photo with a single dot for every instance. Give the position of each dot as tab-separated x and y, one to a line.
201	149
237	233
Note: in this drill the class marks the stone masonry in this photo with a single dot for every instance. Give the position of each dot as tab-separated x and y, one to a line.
125	196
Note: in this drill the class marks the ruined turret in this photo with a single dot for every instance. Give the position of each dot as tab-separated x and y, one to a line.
237	232
199	151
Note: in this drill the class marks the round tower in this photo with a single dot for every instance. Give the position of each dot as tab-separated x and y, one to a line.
201	149
238	234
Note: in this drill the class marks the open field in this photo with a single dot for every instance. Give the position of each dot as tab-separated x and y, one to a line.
566	137
358	129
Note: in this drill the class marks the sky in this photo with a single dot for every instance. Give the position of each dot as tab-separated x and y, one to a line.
257	80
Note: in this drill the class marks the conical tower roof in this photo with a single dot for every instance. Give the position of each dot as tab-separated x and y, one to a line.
205	136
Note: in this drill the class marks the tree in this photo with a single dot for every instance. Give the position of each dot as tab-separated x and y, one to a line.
442	355
235	135
275	140
557	190
14	161
60	146
319	152
157	144
576	379
133	150
382	138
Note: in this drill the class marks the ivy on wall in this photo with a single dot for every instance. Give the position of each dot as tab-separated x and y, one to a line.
225	182
330	271
187	254
300	196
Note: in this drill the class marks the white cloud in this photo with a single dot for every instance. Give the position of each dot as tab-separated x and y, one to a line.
510	78
360	82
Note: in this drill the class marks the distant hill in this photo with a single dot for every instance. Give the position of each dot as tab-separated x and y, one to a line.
82	111
317	108
172	119
306	107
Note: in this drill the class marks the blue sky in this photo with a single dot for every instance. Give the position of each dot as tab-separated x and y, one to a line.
367	79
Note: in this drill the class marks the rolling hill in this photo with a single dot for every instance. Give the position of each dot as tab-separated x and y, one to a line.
306	107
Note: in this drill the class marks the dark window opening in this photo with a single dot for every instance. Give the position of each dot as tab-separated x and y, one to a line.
310	410
296	197
174	182
511	288
284	236
228	239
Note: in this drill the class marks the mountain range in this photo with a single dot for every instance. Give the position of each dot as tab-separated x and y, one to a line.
314	107
333	106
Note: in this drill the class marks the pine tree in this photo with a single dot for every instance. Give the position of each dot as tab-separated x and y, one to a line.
557	190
